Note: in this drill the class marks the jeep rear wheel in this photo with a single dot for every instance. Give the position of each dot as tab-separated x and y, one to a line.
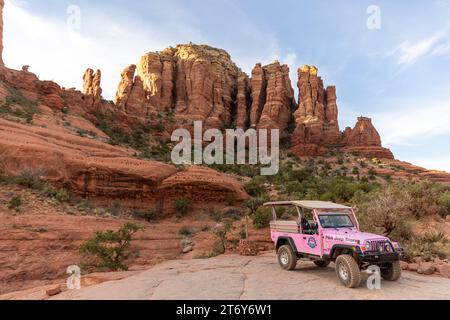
286	257
392	271
347	271
321	263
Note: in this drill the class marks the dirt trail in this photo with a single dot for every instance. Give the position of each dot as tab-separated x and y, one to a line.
237	277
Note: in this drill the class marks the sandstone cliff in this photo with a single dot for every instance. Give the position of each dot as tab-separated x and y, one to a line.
365	139
317	126
273	97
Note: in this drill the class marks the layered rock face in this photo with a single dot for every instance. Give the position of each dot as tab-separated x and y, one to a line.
201	83
99	171
316	118
192	81
273	97
92	86
317	126
365	139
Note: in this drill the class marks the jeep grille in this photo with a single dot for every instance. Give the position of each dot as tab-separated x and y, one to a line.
381	246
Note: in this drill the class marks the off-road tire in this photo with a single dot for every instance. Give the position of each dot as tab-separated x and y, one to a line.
286	257
393	272
347	271
321	263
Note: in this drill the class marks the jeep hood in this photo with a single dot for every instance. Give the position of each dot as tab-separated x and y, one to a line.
348	235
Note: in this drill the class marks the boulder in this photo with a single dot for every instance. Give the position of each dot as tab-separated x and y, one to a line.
404	265
53	291
426	268
413	266
444	270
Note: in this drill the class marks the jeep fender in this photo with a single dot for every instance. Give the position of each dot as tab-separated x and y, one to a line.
339	249
286	240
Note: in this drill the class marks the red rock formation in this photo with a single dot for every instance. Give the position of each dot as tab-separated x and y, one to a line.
317	126
365	139
259	84
103	172
364	134
2	4
243	102
202	184
195	82
125	86
91	86
52	95
274	95
316	117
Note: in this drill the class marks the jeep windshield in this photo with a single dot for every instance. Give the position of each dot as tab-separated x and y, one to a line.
335	220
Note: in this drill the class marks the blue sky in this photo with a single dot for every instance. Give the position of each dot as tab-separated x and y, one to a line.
399	75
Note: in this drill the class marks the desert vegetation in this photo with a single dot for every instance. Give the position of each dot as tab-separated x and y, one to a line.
394	208
109	250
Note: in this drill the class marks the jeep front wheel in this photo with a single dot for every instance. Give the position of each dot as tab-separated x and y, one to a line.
392	272
286	257
347	271
322	263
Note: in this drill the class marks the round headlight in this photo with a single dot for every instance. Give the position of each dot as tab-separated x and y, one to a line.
389	247
367	245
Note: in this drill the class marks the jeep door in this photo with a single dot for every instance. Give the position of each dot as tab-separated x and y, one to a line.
309	240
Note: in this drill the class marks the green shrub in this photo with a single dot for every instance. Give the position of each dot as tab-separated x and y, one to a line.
230	200
444	201
253	204
62	195
219	246
85	205
255	188
31	178
149	215
27	110
160	127
262	217
109	249
185	231
15	203
182	206
425	198
116	209
429	246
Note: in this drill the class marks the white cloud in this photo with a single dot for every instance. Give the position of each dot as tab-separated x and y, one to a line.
409	53
416	122
441	163
54	52
442	49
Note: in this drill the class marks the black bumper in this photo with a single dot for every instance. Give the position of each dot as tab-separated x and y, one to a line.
379	257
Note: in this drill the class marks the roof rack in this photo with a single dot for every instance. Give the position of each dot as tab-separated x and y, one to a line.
308	204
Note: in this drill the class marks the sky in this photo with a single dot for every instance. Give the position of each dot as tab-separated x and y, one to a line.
390	60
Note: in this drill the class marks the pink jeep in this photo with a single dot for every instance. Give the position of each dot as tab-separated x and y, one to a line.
325	232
